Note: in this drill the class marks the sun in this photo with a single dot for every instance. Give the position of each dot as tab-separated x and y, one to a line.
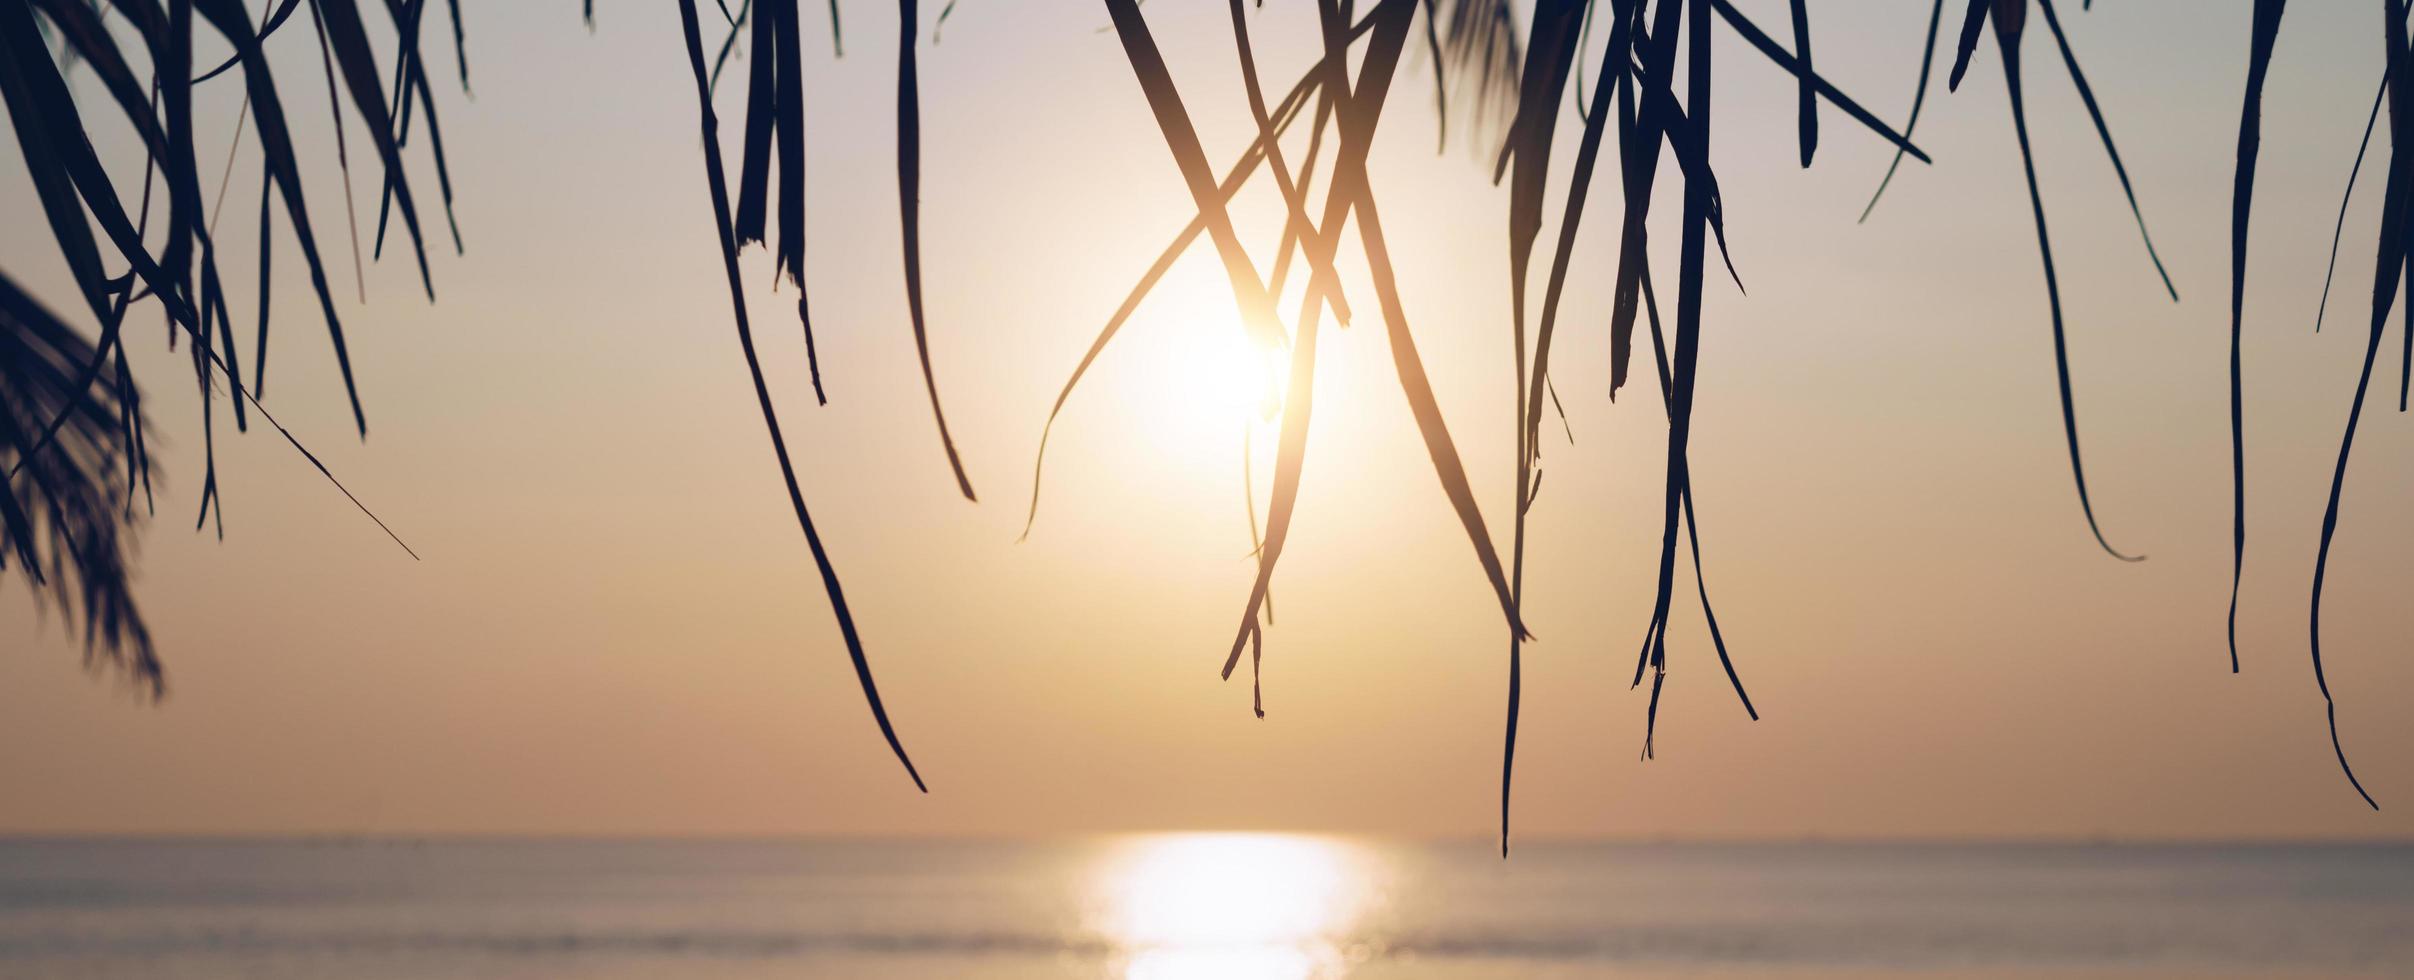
1207	368
1243	377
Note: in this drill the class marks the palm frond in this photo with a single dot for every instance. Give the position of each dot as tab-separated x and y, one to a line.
66	515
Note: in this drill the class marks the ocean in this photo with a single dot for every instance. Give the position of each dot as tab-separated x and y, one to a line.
1194	906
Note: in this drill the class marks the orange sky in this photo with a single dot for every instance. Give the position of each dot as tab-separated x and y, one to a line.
617	629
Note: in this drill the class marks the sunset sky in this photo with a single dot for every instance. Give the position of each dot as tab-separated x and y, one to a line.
618	630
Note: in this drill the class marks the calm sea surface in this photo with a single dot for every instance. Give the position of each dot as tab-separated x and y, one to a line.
1194	906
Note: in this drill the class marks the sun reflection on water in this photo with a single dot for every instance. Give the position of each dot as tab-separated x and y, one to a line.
1233	906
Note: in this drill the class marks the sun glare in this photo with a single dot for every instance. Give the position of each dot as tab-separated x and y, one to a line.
1232	906
1250	375
1209	368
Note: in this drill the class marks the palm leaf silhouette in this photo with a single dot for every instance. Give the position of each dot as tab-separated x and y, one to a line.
2250	143
75	445
909	206
66	508
2389	264
2009	19
73	431
762	391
